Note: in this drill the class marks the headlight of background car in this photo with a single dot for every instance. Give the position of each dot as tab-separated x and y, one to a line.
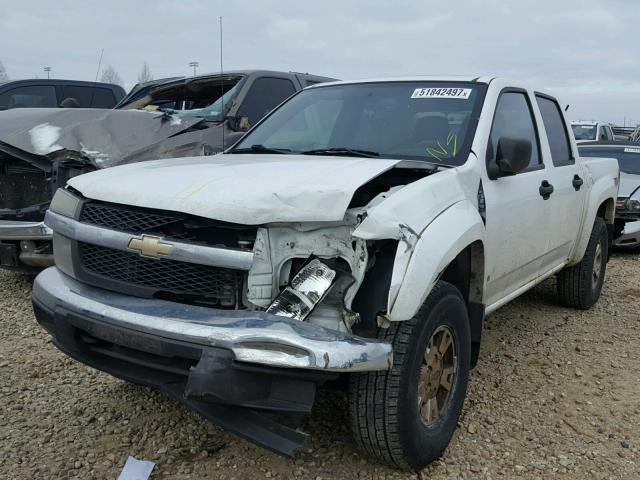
65	203
632	204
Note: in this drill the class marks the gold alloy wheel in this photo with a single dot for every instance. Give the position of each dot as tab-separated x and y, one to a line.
597	267
437	375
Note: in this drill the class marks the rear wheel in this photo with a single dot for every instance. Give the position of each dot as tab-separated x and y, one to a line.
406	416
580	285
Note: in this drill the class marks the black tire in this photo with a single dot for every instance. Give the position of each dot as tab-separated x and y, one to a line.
384	412
576	285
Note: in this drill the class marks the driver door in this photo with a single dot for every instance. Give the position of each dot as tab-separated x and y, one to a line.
517	216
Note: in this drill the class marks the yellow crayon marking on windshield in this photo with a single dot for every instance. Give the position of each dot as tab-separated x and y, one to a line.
450	149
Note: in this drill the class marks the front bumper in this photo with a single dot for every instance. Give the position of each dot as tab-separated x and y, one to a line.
630	237
223	364
252	337
15	256
17	230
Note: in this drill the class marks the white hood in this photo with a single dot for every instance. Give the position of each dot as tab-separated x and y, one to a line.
246	189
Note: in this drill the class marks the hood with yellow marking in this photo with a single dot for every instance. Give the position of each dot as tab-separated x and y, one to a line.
249	189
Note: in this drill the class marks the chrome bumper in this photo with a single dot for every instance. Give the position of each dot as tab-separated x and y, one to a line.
15	230
630	237
253	337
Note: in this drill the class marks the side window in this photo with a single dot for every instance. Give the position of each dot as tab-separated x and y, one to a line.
265	94
556	131
514	119
29	96
88	97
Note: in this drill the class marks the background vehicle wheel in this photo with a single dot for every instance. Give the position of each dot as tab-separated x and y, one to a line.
405	416
579	286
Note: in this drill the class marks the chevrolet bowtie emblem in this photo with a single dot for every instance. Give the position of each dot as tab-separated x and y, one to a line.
149	246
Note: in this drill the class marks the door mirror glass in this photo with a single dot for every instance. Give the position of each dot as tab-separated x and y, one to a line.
239	124
512	156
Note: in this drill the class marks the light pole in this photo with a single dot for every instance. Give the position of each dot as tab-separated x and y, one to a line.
194	65
48	70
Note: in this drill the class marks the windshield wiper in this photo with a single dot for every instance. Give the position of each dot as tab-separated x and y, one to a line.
260	149
347	152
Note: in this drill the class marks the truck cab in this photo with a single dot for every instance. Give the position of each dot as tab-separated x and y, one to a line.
362	230
592	131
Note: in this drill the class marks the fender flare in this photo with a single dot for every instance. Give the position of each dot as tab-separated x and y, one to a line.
416	270
601	192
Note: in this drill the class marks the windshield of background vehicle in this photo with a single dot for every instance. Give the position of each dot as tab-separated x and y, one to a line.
428	121
628	157
197	97
584	132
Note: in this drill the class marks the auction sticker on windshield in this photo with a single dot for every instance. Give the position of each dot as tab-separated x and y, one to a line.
462	93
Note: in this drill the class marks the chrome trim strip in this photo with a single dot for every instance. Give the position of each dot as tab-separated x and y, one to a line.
253	337
16	230
180	251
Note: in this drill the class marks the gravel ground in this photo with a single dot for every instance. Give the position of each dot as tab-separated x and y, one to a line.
555	395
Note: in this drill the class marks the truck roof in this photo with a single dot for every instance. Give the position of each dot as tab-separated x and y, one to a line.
415	78
61	81
588	122
230	73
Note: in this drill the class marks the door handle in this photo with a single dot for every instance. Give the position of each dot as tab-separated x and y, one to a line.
577	182
546	189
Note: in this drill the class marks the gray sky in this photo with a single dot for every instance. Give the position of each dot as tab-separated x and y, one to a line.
587	51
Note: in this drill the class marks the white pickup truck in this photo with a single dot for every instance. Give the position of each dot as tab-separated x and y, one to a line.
361	230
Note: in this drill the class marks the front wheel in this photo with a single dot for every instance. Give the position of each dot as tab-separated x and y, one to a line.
580	285
406	416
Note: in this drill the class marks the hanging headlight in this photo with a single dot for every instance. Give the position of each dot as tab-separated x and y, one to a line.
306	290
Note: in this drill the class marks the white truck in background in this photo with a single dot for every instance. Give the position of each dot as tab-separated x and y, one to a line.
592	131
362	229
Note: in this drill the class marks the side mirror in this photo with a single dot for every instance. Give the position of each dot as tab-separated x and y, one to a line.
239	124
512	156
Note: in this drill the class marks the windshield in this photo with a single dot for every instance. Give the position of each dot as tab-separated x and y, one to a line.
584	132
197	97
628	157
428	121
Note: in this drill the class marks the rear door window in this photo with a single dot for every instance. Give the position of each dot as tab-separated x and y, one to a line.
88	97
264	95
556	130
29	96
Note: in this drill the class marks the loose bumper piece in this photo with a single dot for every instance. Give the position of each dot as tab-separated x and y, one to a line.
630	237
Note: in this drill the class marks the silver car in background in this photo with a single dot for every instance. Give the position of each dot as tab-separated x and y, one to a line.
627	222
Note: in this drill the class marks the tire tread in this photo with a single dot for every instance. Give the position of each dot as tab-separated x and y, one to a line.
374	424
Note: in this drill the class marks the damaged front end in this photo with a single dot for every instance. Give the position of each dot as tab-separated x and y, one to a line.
233	320
27	183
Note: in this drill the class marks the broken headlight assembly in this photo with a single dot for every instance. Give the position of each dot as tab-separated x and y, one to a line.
306	290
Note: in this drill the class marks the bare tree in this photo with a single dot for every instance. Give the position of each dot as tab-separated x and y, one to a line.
109	75
145	74
3	73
